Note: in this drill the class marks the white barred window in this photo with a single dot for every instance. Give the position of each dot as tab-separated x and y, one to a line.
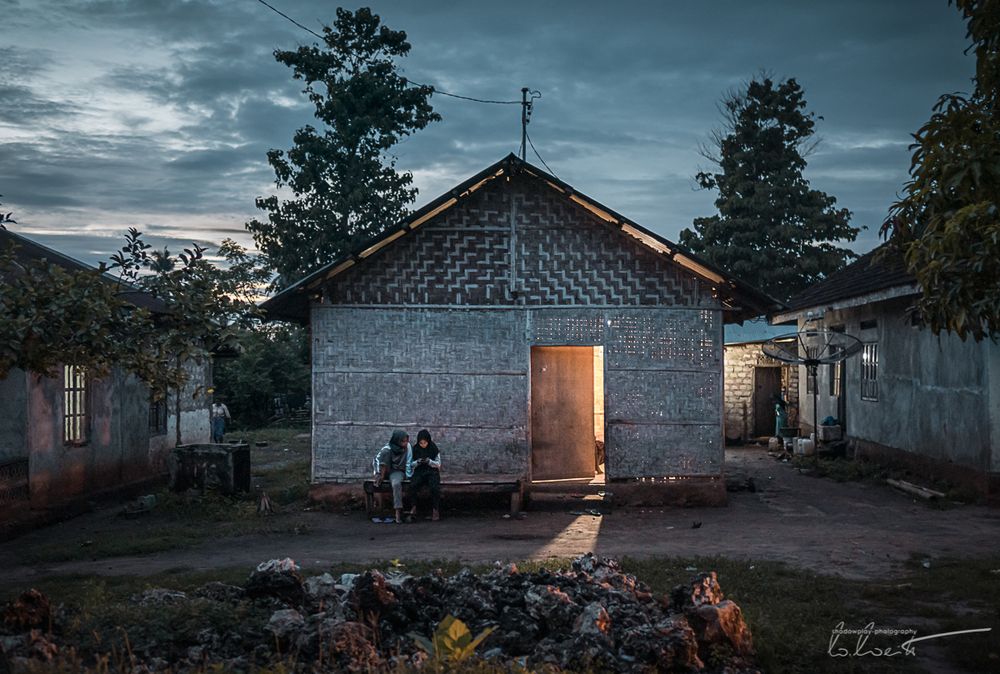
75	420
869	372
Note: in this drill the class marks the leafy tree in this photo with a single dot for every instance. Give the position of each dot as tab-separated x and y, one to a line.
205	307
273	363
5	218
947	225
344	183
772	229
50	316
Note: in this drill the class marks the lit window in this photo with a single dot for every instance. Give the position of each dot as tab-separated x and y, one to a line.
869	372
75	427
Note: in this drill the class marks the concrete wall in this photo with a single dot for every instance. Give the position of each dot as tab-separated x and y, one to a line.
934	392
991	356
13	421
120	449
740	362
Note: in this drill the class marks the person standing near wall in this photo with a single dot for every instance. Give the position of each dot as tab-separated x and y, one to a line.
780	414
220	415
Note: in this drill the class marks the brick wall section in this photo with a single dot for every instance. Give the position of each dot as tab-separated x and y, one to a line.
436	331
740	361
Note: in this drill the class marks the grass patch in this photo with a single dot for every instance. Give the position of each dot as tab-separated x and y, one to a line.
841	469
790	611
185	520
177	522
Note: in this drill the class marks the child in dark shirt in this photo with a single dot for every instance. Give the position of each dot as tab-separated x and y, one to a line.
425	470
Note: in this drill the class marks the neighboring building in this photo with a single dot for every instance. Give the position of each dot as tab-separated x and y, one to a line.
497	316
930	402
753	381
70	436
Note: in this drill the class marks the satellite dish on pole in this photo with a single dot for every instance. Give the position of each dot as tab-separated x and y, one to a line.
812	348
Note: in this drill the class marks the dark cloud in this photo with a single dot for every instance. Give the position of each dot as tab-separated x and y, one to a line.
164	111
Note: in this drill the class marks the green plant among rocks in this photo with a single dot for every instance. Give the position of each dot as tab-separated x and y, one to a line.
452	641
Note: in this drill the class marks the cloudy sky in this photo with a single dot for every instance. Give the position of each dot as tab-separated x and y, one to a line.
159	113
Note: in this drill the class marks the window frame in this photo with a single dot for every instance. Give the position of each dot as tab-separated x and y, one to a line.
76	406
833	372
158	414
869	372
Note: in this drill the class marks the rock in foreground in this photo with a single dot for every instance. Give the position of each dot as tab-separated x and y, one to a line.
591	617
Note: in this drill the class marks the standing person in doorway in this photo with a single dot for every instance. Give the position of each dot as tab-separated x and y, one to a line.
425	470
392	462
780	414
220	415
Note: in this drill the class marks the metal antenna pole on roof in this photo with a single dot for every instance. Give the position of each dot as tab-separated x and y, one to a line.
525	106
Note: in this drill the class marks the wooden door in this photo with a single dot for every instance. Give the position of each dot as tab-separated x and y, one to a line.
766	385
562	412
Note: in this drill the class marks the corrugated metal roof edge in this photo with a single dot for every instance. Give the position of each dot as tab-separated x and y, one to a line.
814	296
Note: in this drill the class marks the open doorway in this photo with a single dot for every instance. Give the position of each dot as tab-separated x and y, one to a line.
567	413
766	388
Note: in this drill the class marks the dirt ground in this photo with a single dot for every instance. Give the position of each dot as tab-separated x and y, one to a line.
857	530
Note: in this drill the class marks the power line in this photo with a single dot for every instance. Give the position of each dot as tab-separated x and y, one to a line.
282	14
405	80
539	156
464	98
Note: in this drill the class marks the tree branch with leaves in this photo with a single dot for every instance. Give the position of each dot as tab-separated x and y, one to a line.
344	183
772	230
161	313
947	224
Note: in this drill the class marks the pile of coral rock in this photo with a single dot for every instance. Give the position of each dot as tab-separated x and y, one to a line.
590	617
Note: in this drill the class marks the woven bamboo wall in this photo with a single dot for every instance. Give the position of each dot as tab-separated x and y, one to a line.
436	332
562	254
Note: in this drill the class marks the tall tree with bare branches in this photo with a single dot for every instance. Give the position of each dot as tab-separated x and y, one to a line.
772	229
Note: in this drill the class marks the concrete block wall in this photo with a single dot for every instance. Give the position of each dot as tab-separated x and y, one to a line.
119	450
740	361
13	417
462	374
933	391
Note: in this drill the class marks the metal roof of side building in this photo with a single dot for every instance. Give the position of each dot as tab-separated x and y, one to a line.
872	277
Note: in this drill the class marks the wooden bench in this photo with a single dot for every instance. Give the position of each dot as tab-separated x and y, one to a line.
480	484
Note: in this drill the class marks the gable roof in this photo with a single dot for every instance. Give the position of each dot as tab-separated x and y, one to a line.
28	250
292	303
871	274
